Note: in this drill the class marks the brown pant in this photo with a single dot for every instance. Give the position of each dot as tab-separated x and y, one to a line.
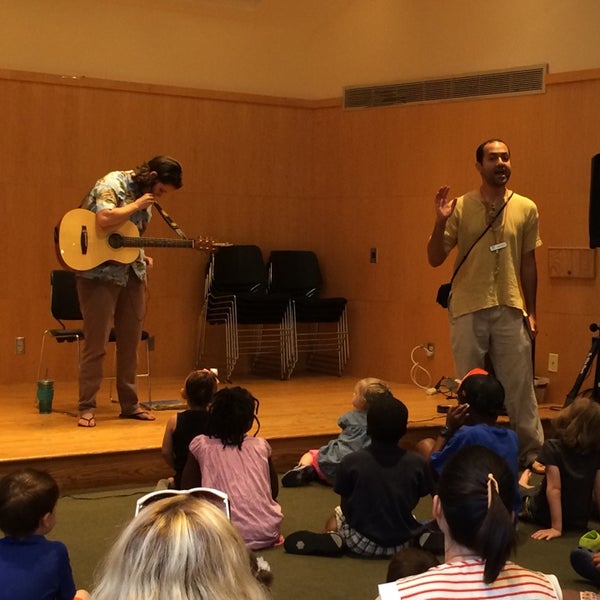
104	305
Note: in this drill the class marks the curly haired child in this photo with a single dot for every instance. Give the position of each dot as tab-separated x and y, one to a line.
240	465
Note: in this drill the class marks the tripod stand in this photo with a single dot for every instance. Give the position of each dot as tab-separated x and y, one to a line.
589	359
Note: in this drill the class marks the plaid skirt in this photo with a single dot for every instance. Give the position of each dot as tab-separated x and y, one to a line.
359	544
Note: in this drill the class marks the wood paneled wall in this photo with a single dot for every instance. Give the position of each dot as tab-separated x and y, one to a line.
287	174
247	174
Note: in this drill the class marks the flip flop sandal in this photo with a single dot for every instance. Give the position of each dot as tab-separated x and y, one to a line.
87	421
142	415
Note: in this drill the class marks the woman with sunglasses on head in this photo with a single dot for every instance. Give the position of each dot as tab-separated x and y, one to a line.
240	465
179	548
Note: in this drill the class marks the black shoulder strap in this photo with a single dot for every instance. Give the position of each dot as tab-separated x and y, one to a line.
460	264
163	213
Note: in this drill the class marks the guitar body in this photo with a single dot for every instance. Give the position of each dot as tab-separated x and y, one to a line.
80	245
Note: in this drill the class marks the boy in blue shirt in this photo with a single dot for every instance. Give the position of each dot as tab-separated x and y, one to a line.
474	422
30	565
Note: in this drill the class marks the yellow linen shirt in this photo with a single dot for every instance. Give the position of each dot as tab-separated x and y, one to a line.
488	278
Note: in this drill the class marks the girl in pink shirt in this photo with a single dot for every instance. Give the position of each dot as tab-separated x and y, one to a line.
240	465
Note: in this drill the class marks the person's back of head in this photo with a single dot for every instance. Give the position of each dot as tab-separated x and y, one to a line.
26	496
199	388
578	424
375	390
387	419
483	393
181	548
476	490
366	389
232	414
410	561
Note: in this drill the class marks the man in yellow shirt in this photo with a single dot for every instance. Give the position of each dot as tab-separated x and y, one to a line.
493	296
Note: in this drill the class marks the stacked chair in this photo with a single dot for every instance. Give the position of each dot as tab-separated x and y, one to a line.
273	312
321	323
255	323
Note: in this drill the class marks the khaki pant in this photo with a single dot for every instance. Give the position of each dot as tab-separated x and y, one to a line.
500	333
104	305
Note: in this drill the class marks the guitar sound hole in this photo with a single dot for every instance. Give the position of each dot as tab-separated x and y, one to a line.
115	240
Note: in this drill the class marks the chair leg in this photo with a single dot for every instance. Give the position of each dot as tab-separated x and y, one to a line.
42	355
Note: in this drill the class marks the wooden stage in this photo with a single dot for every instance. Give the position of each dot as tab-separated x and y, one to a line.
295	415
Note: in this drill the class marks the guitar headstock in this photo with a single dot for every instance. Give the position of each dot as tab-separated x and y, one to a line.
207	245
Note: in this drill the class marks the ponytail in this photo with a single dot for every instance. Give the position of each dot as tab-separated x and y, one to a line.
476	490
496	536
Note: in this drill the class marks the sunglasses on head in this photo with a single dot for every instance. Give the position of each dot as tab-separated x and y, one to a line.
216	497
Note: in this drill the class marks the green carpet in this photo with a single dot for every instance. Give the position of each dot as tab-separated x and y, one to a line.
88	523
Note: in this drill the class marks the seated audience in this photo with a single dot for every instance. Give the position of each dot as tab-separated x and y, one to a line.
198	391
410	561
585	559
473	421
379	487
572	459
181	548
32	567
474	508
239	465
322	464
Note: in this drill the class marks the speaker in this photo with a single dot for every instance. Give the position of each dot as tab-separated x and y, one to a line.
595	203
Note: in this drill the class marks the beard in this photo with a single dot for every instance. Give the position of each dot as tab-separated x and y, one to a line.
498	177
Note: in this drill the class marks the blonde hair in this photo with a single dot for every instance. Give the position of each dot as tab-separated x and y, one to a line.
370	387
179	548
578	424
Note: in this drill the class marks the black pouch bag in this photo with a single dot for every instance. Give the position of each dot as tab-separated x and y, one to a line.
443	294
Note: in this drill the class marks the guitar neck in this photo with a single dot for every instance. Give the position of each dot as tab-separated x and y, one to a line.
149	242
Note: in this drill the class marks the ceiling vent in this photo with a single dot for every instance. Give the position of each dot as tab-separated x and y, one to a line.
523	80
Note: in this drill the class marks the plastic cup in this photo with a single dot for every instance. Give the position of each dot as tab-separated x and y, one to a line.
45	394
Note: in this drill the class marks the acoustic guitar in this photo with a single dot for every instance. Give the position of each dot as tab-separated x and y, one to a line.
80	245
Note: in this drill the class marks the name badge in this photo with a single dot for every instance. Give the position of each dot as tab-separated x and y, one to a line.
496	247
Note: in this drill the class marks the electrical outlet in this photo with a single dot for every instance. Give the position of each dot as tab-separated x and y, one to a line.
373	255
553	362
19	345
429	349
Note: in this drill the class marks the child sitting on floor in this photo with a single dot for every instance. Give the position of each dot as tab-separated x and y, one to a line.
239	465
473	421
322	464
198	391
572	460
379	486
30	565
410	561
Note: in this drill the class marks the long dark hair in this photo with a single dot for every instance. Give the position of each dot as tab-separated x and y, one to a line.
167	169
232	414
477	490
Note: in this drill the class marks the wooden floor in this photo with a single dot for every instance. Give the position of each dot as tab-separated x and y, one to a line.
295	415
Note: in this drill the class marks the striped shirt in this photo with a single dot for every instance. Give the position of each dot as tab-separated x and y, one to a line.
464	579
